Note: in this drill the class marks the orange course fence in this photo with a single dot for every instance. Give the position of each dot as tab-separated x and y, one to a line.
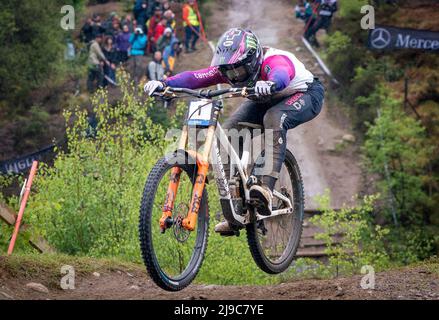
28	185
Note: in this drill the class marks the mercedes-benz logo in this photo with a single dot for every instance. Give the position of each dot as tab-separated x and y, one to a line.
380	38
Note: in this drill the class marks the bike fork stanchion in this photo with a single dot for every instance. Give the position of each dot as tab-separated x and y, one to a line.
171	194
189	223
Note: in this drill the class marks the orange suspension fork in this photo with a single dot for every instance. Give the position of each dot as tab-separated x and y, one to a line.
189	223
174	182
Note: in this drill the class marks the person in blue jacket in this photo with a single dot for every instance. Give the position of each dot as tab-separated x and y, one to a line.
138	41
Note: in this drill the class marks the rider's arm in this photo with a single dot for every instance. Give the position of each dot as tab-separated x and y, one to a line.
278	69
196	79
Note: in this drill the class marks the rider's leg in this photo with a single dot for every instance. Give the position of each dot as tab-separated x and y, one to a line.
283	116
250	112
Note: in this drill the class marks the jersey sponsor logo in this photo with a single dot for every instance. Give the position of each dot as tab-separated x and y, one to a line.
205	75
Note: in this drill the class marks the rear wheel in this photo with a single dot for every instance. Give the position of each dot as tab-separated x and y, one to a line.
173	258
273	242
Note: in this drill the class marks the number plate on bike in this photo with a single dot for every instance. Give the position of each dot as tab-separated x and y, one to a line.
199	113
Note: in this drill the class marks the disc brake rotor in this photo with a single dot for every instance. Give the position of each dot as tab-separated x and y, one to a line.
180	233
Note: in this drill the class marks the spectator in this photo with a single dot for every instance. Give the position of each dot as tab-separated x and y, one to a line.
97	28
96	60
166	6
170	19
142	15
165	39
151	26
155	69
191	25
152	5
109	22
114	29
87	31
128	21
111	55
138	43
303	10
325	11
159	29
170	54
123	44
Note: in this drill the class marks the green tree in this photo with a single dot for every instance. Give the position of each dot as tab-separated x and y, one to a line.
32	46
397	148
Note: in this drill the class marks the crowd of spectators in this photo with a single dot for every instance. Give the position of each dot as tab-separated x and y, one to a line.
149	33
317	14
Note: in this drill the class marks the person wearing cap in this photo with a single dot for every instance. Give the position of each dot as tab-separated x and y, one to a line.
96	60
170	17
165	39
191	25
138	42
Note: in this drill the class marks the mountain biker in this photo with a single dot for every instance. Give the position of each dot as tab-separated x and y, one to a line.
241	61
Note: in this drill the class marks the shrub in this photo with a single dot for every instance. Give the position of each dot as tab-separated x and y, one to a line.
362	240
87	203
397	149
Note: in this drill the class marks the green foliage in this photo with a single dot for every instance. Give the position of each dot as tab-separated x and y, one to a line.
350	8
32	47
21	244
396	148
362	240
343	56
87	203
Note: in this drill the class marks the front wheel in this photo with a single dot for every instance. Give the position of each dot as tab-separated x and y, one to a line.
172	258
273	242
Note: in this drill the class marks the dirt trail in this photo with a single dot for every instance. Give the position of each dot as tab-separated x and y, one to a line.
132	283
313	143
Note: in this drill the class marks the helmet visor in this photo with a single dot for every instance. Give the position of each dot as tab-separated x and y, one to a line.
235	74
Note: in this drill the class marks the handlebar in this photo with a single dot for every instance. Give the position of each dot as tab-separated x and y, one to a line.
170	92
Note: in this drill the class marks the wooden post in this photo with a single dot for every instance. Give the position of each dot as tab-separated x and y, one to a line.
7	215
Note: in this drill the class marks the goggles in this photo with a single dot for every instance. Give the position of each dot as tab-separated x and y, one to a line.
235	74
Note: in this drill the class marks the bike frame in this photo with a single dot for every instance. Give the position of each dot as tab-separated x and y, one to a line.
211	152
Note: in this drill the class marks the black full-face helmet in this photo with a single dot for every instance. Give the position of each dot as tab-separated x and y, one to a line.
239	57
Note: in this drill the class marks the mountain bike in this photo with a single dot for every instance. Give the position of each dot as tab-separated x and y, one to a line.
174	213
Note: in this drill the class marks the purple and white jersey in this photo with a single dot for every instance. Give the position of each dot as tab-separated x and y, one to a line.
281	67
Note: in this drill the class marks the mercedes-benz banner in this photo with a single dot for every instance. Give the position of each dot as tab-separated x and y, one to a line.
392	38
